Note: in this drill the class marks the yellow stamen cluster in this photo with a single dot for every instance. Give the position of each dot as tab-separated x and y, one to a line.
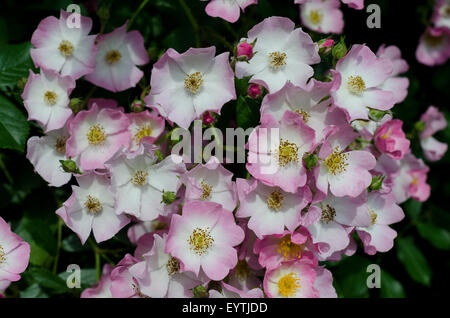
287	152
93	205
66	48
206	190
328	213
139	178
275	200
315	16
356	85
200	240
304	115
173	266
60	145
336	162
143	131
2	255
288	249
112	57
277	59
193	82
373	216
96	135
288	285
138	292
50	98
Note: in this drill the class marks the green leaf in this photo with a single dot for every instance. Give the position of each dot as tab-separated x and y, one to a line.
414	261
14	127
33	291
38	256
72	244
88	277
46	279
438	237
390	287
413	208
40	233
247	112
350	277
15	62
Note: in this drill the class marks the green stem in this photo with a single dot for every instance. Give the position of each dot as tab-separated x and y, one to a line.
139	9
5	171
192	20
97	252
58	246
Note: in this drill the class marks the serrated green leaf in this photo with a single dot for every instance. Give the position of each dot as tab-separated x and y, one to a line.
15	62
438	237
414	261
390	287
14	127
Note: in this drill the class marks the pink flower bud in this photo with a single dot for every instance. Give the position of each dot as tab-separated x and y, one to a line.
390	139
207	118
254	90
245	49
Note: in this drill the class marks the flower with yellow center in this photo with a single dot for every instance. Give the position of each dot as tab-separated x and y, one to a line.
200	240
275	200
60	145
112	57
50	98
277	59
288	285
139	178
206	190
287	152
328	213
373	216
96	135
143	131
173	266
315	16
66	48
193	82
288	249
93	205
356	85
304	115
336	162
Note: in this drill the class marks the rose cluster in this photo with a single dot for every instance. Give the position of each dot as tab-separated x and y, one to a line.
327	165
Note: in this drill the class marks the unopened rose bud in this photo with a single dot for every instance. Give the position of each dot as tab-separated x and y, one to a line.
376	114
168	197
376	184
419	126
137	106
310	161
245	50
76	104
339	50
254	90
325	46
70	166
208	119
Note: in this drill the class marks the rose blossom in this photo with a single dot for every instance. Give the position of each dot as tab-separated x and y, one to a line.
60	48
118	54
204	237
184	86
46	98
229	10
322	16
283	54
434	46
390	139
434	121
144	127
102	289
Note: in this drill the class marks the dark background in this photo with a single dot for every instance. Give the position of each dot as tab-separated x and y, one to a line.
417	266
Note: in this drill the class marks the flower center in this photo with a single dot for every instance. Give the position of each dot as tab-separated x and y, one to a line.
288	285
206	190
287	152
336	162
328	213
143	131
434	40
200	240
96	135
60	145
277	59
66	48
193	82
356	85
138	292
93	205
139	178
50	98
288	249
242	269
112	57
445	11
304	115
173	266
315	16
373	216
275	200
2	255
